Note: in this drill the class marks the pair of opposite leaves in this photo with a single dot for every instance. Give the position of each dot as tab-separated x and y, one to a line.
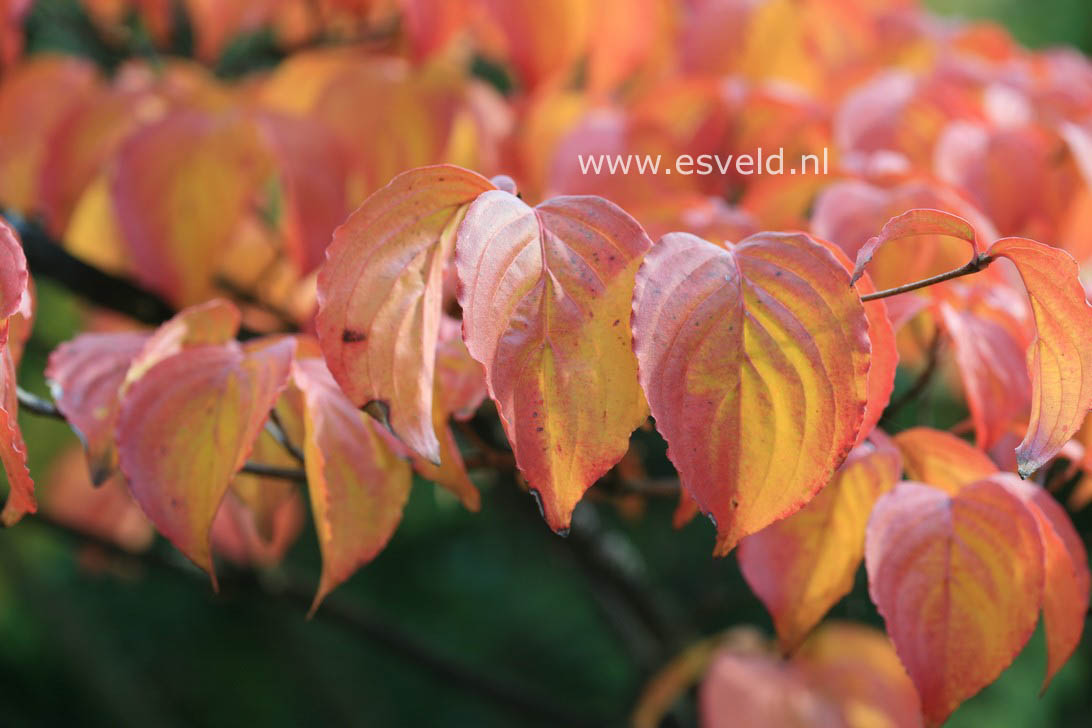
960	557
179	411
759	361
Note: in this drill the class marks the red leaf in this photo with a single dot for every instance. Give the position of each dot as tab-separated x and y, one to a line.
885	353
1060	358
186	428
13	451
380	299
358	485
1065	565
85	377
545	294
755	363
13	271
911	224
989	347
180	188
958	580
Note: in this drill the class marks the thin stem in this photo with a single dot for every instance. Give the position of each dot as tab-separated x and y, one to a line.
979	262
923	380
35	405
276	428
275	471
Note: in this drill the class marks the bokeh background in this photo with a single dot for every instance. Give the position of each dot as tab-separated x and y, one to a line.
465	619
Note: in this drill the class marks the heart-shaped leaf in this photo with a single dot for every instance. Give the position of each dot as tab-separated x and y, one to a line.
380	297
958	580
358	485
755	362
545	293
187	427
801	565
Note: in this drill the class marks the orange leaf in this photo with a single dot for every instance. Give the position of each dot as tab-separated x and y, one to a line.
885	352
857	666
958	580
210	323
13	450
14	277
749	691
14	302
186	428
941	459
380	295
1065	565
545	294
358	485
912	224
180	187
85	376
989	347
755	363
802	565
1060	358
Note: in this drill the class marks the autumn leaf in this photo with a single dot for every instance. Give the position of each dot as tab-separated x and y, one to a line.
187	427
989	343
941	459
358	485
1060	359
14	280
958	580
180	187
13	450
85	376
802	565
885	353
379	296
545	294
912	224
755	363
1065	567
14	276
857	666
206	324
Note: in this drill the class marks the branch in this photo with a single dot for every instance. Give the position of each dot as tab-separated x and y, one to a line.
47	258
504	692
977	263
921	382
275	428
35	405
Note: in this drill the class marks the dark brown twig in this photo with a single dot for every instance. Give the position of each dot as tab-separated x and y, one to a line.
922	382
979	262
32	403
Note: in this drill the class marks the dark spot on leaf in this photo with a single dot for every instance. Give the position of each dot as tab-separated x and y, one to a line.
380	410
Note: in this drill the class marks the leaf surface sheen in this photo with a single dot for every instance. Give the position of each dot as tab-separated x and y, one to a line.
358	484
802	565
958	580
546	295
187	427
380	296
755	363
1059	360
